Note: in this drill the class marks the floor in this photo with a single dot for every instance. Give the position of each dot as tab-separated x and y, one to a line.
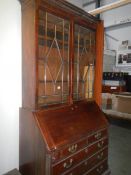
13	172
120	148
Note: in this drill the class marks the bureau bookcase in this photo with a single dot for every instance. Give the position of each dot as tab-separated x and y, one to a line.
62	129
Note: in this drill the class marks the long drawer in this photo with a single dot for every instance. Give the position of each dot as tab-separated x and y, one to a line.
69	150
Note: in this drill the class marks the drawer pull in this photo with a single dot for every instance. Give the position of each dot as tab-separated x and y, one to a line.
98	135
85	163
99	170
100	156
86	150
72	148
68	165
100	144
72	109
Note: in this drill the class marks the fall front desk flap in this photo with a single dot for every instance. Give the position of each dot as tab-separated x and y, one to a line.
63	126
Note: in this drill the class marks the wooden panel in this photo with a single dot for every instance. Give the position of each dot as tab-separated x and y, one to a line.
32	158
99	63
28	55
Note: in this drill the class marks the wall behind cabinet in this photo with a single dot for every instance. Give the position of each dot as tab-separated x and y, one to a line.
10	83
78	3
120	32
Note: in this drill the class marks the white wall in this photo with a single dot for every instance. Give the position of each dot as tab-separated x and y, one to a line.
10	83
116	14
89	7
76	2
110	17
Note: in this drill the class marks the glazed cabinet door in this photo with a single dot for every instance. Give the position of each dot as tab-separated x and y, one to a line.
84	63
53	59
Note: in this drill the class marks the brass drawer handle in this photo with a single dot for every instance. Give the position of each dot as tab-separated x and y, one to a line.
85	163
99	170
68	165
100	144
98	135
100	156
86	150
72	148
72	109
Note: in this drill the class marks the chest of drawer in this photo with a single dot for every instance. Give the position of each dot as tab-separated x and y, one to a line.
97	136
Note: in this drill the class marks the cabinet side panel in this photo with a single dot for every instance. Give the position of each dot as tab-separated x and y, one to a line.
99	63
32	148
28	55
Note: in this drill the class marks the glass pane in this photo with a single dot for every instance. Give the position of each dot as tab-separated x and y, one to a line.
53	66
84	63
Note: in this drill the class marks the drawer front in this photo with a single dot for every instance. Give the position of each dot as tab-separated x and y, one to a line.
97	158
97	136
70	162
99	170
76	171
71	149
92	149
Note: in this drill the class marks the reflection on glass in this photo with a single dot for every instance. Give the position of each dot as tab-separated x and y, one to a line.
84	63
53	67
